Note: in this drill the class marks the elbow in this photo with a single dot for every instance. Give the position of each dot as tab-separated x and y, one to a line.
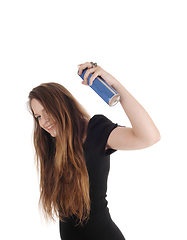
159	137
148	140
154	139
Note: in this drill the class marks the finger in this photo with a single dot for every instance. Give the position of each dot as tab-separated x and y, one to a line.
87	74
84	66
84	83
93	77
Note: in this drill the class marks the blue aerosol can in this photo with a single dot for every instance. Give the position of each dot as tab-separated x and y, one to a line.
105	91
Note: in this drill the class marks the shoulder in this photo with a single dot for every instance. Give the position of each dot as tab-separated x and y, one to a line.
99	119
99	129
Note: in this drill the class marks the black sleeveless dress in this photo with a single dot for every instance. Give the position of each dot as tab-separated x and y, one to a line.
100	225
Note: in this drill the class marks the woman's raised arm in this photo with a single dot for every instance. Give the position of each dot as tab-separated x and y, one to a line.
143	132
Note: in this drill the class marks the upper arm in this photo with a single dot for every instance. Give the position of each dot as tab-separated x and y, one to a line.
123	138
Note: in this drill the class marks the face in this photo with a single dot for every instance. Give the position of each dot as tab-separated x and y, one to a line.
44	120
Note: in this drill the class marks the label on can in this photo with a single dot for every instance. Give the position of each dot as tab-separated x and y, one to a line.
103	89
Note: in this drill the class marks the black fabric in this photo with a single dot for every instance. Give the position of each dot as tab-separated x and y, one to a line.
100	225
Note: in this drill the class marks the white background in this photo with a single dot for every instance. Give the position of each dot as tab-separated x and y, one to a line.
142	44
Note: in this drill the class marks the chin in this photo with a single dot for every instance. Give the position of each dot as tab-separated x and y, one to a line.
53	134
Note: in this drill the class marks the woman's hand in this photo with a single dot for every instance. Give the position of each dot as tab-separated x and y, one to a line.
96	71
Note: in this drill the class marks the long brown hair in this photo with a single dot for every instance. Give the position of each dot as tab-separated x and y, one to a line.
64	181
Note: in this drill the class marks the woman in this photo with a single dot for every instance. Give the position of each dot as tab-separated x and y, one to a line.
73	155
